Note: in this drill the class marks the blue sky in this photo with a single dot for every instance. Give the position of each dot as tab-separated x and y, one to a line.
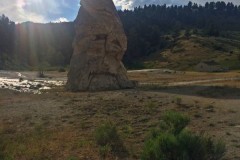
44	11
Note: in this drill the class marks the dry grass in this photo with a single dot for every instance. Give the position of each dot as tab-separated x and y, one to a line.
165	78
60	125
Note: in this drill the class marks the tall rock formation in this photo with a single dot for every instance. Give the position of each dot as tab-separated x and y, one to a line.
99	46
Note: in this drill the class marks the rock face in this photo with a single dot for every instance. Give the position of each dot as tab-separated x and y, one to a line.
99	46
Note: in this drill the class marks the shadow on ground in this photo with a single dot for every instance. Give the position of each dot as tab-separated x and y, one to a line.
217	92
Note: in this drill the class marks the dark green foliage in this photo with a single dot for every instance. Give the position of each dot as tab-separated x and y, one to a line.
31	44
7	28
160	148
212	31
49	44
199	147
174	122
107	136
173	142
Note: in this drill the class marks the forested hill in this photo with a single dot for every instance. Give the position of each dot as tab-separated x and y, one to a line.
150	29
33	45
146	27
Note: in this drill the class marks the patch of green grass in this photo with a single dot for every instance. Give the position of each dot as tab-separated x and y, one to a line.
178	48
104	151
72	158
127	129
232	63
151	107
82	143
32	144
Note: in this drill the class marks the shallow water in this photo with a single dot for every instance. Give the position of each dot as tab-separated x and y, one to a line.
21	83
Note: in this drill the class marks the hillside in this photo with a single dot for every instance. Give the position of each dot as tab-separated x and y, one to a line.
186	52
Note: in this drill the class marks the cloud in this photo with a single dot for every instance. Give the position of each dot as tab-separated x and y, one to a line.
14	9
123	4
61	19
36	10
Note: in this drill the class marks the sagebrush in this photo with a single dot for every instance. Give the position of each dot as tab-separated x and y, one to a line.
172	141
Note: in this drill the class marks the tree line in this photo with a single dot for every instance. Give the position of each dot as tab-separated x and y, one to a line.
31	44
146	26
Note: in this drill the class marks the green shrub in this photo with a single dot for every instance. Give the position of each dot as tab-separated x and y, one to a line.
174	122
173	142
199	147
161	147
107	136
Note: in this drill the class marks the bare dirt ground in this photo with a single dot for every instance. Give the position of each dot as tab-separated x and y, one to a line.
60	125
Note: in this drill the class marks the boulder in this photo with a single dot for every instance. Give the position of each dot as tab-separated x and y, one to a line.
99	46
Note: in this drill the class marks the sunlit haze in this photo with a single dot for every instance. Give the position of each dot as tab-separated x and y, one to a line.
66	10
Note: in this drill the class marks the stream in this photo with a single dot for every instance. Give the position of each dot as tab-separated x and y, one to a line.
28	82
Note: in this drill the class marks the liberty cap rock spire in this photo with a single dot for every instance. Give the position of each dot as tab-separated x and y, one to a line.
99	46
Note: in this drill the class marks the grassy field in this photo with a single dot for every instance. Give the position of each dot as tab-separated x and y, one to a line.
61	125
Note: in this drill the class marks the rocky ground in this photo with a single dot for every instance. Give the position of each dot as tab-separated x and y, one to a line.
60	125
30	82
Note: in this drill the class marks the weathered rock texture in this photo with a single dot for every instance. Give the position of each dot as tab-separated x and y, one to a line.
99	46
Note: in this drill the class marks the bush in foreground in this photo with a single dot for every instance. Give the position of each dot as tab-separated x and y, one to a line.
173	142
108	138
